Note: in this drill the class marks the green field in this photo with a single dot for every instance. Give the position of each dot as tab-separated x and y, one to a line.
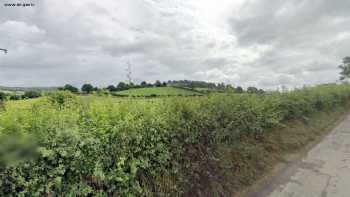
158	91
209	90
25	89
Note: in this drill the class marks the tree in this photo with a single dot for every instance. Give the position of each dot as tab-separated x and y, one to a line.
15	97
31	95
111	88
2	96
252	90
95	89
191	84
158	84
229	88
239	90
70	88
122	86
130	85
345	69
144	84
221	86
87	88
261	91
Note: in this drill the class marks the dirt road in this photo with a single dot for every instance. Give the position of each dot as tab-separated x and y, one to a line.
323	172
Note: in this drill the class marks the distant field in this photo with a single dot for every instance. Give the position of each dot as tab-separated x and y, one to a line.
24	89
12	92
6	91
206	90
21	104
159	91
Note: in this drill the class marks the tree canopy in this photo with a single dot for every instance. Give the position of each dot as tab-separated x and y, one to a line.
31	94
345	69
252	90
2	96
111	88
87	88
239	90
70	88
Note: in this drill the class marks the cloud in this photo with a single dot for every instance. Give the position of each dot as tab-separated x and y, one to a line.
302	37
21	31
264	43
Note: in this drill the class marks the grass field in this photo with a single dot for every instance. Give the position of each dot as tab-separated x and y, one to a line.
209	90
12	92
159	91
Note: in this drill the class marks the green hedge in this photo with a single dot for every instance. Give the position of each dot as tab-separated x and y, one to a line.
62	145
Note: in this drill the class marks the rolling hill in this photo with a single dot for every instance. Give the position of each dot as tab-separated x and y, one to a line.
24	89
159	91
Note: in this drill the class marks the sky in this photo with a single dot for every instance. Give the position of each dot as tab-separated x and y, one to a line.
262	43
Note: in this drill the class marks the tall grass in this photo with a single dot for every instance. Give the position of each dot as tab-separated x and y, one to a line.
63	145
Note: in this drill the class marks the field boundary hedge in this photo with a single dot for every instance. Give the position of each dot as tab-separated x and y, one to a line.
195	146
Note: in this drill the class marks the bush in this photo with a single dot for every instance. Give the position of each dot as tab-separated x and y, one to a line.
62	99
15	97
2	96
138	147
31	95
70	88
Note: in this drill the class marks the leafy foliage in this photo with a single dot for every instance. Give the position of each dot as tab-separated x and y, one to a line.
15	97
70	88
345	68
2	96
87	88
31	95
159	91
63	145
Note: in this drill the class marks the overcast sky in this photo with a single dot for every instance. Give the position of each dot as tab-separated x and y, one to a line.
264	43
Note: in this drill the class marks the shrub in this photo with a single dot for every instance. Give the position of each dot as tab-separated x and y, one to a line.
2	96
31	95
62	99
70	88
15	97
138	147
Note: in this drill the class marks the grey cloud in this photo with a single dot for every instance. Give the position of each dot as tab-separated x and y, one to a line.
217	62
141	46
300	37
271	21
271	43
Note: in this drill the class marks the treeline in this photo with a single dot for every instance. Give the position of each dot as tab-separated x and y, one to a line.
202	86
125	86
85	89
89	88
193	84
198	86
13	96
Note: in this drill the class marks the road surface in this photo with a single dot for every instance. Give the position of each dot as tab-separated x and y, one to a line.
323	172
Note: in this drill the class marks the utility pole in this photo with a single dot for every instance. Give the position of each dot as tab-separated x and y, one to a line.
128	72
2	107
5	50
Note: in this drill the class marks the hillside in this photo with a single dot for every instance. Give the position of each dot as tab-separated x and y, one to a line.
24	89
158	91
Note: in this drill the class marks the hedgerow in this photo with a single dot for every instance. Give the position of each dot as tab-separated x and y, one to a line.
63	145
